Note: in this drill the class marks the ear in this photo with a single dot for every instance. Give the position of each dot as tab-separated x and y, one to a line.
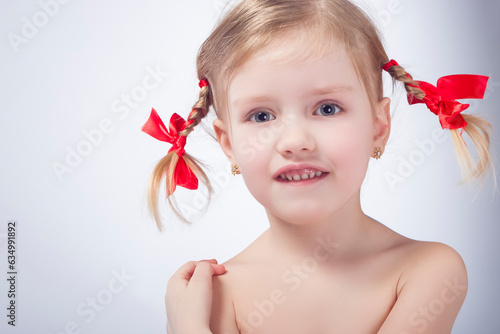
222	134
382	123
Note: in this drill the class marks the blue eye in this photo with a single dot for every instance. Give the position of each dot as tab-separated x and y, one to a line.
261	116
328	109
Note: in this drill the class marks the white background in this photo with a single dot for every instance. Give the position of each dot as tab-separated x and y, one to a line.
78	230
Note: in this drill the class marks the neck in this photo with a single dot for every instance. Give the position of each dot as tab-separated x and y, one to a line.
340	234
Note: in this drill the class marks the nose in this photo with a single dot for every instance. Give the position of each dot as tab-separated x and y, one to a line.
295	138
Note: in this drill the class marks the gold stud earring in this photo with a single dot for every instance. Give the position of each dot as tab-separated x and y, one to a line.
235	169
377	154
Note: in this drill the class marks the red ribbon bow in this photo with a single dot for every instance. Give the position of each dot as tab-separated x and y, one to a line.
183	175
203	83
440	99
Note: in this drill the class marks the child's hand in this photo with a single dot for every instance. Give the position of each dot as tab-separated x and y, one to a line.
189	297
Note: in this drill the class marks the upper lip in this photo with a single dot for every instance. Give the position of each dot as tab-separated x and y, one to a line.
294	167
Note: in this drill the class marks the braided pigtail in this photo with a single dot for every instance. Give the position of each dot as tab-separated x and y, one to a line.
398	73
179	168
449	111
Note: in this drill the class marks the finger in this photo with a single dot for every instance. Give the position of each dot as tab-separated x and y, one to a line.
219	269
211	261
182	276
186	270
202	276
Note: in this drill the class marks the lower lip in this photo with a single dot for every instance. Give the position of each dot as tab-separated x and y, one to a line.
302	182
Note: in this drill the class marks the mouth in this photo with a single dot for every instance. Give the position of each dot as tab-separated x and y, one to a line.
299	175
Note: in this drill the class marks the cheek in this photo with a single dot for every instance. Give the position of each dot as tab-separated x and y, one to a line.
253	161
254	167
247	151
253	154
253	147
351	148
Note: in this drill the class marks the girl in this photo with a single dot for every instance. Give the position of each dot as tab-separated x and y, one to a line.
306	75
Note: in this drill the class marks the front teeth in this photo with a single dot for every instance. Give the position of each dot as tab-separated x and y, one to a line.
301	177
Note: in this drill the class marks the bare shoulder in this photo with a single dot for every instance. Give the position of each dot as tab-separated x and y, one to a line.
430	291
433	260
415	258
424	264
239	280
223	318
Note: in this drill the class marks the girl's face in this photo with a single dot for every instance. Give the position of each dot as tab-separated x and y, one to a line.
302	131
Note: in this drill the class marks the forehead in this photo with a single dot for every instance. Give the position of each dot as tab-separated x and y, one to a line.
294	61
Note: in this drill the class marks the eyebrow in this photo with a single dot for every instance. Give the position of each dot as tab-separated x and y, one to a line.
314	92
330	90
251	99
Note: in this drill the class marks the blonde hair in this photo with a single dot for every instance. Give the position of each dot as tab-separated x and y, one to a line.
254	24
477	128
